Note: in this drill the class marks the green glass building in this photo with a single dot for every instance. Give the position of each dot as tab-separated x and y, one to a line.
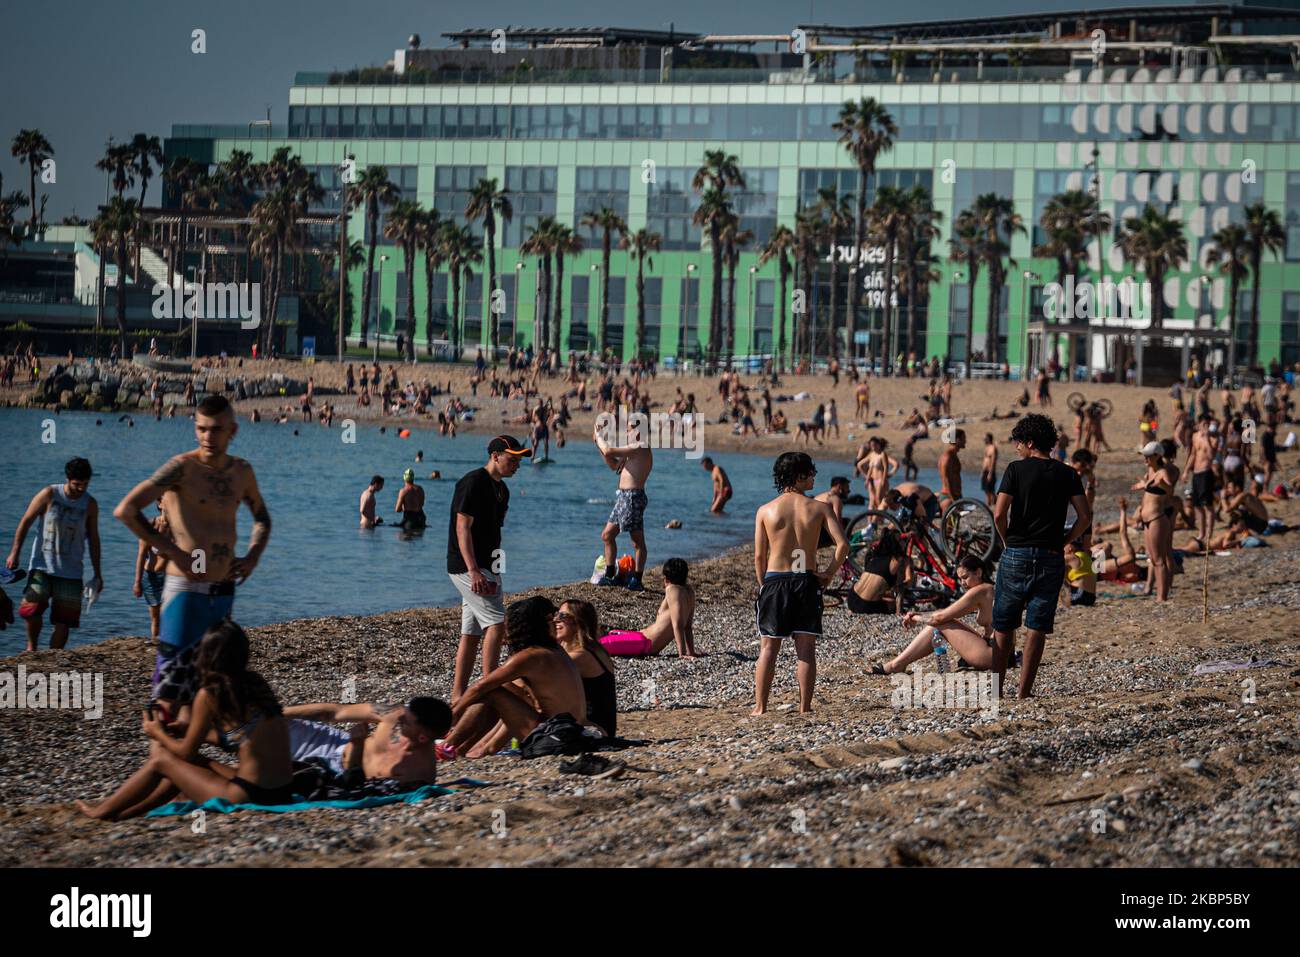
1193	109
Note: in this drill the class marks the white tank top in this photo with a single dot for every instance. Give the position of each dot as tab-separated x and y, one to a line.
60	544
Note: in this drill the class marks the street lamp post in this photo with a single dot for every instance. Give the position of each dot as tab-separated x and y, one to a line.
753	314
600	345
957	277
379	302
343	252
1024	323
685	328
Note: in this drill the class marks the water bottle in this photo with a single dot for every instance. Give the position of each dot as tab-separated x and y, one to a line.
940	651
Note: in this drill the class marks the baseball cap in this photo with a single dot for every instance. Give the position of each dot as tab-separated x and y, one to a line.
1153	448
510	445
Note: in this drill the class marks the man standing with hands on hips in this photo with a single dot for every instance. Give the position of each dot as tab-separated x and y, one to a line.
478	510
1033	499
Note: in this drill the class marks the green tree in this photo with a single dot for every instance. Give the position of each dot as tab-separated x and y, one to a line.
147	153
967	247
919	229
486	202
115	228
1156	243
460	250
429	238
403	226
780	245
1265	232
837	213
372	190
639	247
1230	250
567	243
866	130
719	171
608	222
998	217
31	147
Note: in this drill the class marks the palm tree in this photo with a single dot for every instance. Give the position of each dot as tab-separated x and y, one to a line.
733	239
429	238
608	222
328	296
486	201
115	228
779	246
1230	250
867	130
10	232
567	243
920	228
1156	243
1265	232
183	174
31	147
372	190
888	216
1070	220
720	170
967	247
403	226
460	250
838	216
541	243
119	160
290	190
146	152
639	246
1000	221
810	228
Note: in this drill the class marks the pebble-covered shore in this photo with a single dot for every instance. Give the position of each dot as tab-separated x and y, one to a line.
1123	757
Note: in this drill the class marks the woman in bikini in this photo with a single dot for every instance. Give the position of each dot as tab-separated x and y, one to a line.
973	644
877	468
576	628
884	570
237	711
1118	565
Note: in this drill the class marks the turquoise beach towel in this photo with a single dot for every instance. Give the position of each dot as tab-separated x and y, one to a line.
222	806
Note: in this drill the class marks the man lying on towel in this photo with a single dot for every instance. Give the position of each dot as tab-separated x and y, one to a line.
401	747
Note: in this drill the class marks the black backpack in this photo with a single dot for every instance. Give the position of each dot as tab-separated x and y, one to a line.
558	735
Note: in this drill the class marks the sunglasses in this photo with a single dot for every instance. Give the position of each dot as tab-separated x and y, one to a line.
562	616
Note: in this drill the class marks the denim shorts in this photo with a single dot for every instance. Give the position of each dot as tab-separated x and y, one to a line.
1028	584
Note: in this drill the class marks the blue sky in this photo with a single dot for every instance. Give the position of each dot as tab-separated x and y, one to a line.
84	70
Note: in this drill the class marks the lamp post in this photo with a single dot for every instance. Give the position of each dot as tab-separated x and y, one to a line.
957	277
514	324
1024	323
686	315
600	345
753	315
379	302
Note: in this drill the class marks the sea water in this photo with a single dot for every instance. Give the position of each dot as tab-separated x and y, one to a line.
318	562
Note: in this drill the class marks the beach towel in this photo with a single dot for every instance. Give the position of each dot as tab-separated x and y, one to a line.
222	806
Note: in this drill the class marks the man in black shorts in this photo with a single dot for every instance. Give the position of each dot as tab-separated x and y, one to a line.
786	532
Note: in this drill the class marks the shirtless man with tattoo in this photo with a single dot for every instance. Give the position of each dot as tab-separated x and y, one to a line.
200	492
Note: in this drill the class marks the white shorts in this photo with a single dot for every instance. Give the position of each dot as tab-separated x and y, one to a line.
479	612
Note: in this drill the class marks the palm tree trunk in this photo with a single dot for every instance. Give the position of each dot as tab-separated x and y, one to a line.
832	332
494	335
991	336
730	340
859	237
454	320
780	336
559	303
1232	325
409	257
1255	264
911	307
428	305
545	336
120	306
640	306
715	295
970	312
367	291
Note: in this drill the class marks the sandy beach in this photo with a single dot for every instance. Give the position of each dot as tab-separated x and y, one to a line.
1123	758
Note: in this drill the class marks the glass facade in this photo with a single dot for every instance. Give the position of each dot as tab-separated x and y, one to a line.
1200	152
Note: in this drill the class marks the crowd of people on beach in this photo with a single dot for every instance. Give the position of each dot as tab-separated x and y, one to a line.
547	673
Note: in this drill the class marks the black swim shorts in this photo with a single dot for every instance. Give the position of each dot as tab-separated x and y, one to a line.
1203	489
789	603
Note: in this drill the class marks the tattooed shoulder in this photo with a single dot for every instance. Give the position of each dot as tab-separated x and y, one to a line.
170	473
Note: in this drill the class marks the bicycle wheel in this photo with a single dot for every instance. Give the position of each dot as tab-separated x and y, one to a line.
865	532
968	529
1075	401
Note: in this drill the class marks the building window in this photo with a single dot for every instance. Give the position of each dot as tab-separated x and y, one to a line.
598	187
756	204
1290	331
532	194
670	204
451	186
472	294
846	182
976	182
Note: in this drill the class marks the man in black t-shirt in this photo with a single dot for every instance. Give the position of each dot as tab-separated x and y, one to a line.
475	560
1030	512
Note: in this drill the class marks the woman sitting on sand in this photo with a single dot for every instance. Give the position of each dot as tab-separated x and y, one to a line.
884	568
974	645
576	628
237	711
1118	565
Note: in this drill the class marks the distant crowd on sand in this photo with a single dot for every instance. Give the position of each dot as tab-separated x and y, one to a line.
547	674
